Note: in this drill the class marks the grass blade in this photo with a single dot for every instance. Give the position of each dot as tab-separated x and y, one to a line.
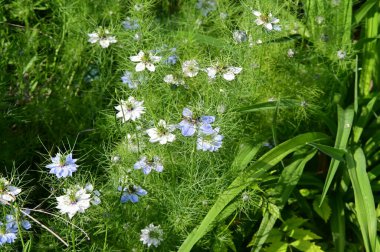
364	201
255	171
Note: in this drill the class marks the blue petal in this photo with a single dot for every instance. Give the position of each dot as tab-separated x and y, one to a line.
207	119
134	198
187	113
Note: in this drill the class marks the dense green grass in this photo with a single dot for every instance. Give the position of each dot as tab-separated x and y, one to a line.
277	183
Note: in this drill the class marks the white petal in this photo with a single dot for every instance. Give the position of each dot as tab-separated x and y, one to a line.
138	57
259	21
211	72
94	37
169	79
235	70
268	26
104	43
155	59
112	39
256	13
140	67
229	76
150	67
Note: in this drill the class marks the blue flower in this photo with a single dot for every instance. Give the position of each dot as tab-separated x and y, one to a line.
6	236
62	166
189	124
130	79
148	165
130	24
131	193
206	6
171	60
209	139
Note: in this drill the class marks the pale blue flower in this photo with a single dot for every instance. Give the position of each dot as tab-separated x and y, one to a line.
131	193
171	60
148	165
209	139
189	124
130	24
206	6
62	166
131	79
6	235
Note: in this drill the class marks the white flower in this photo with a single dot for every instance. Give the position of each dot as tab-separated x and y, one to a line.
151	235
130	109
268	21
162	133
341	54
145	62
228	73
239	36
74	201
291	53
103	37
7	192
171	79
190	68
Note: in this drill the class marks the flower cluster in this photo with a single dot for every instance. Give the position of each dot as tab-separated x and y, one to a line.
9	229
208	138
7	191
62	165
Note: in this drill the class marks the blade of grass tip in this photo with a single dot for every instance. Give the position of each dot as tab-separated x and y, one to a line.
288	180
363	11
345	119
364	201
334	153
365	115
255	171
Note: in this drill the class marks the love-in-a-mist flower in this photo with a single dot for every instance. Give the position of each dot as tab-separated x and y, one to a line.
171	79
7	191
12	225
75	200
130	109
103	37
152	235
145	61
131	193
62	165
206	6
228	73
161	133
341	54
209	139
190	68
132	80
189	123
239	36
95	200
267	21
147	165
130	24
6	235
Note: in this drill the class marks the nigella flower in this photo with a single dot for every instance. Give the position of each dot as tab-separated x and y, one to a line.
228	73
130	109
103	37
11	223
152	235
63	165
189	123
130	24
171	60
6	235
341	54
268	21
130	79
148	165
206	6
75	200
171	79
209	139
7	191
131	193
190	68
145	61
96	194
239	36
162	133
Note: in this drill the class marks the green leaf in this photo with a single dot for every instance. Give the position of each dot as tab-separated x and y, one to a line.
335	153
345	119
292	223
286	103
255	171
366	113
302	234
324	210
306	246
337	223
364	201
363	11
277	247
